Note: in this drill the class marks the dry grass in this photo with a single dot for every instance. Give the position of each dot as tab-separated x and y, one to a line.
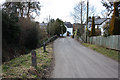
19	67
107	52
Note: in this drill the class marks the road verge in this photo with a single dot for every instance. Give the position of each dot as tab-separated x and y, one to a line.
107	52
21	67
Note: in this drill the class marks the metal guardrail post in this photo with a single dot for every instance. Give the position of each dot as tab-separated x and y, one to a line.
44	46
34	61
49	40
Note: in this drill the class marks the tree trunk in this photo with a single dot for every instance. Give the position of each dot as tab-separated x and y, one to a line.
28	10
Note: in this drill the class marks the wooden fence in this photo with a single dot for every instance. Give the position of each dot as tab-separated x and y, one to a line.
112	42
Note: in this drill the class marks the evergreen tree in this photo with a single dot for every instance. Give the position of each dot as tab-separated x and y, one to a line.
93	27
115	21
56	27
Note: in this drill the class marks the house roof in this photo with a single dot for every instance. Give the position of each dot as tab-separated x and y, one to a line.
68	24
98	21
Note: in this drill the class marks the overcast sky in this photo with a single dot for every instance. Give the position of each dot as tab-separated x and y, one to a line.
62	9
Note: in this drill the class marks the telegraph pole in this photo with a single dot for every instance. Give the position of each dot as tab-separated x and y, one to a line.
49	25
87	19
81	13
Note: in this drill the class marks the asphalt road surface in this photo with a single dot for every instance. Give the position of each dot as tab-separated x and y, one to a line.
73	60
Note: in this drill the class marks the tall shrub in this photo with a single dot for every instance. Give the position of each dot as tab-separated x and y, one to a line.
32	39
10	37
10	29
56	27
30	34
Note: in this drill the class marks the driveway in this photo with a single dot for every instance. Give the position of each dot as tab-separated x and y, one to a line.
73	60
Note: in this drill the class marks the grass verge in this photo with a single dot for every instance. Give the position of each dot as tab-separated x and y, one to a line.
107	52
19	67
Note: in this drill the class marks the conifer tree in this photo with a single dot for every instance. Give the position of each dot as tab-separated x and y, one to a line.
115	21
92	33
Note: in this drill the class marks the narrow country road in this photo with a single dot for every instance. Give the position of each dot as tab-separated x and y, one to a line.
73	60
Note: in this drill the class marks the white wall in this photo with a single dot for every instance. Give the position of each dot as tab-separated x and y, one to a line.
68	29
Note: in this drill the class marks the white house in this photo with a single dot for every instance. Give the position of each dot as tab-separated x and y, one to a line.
99	22
69	28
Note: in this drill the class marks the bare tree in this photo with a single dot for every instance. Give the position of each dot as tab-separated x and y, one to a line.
104	13
22	9
77	12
